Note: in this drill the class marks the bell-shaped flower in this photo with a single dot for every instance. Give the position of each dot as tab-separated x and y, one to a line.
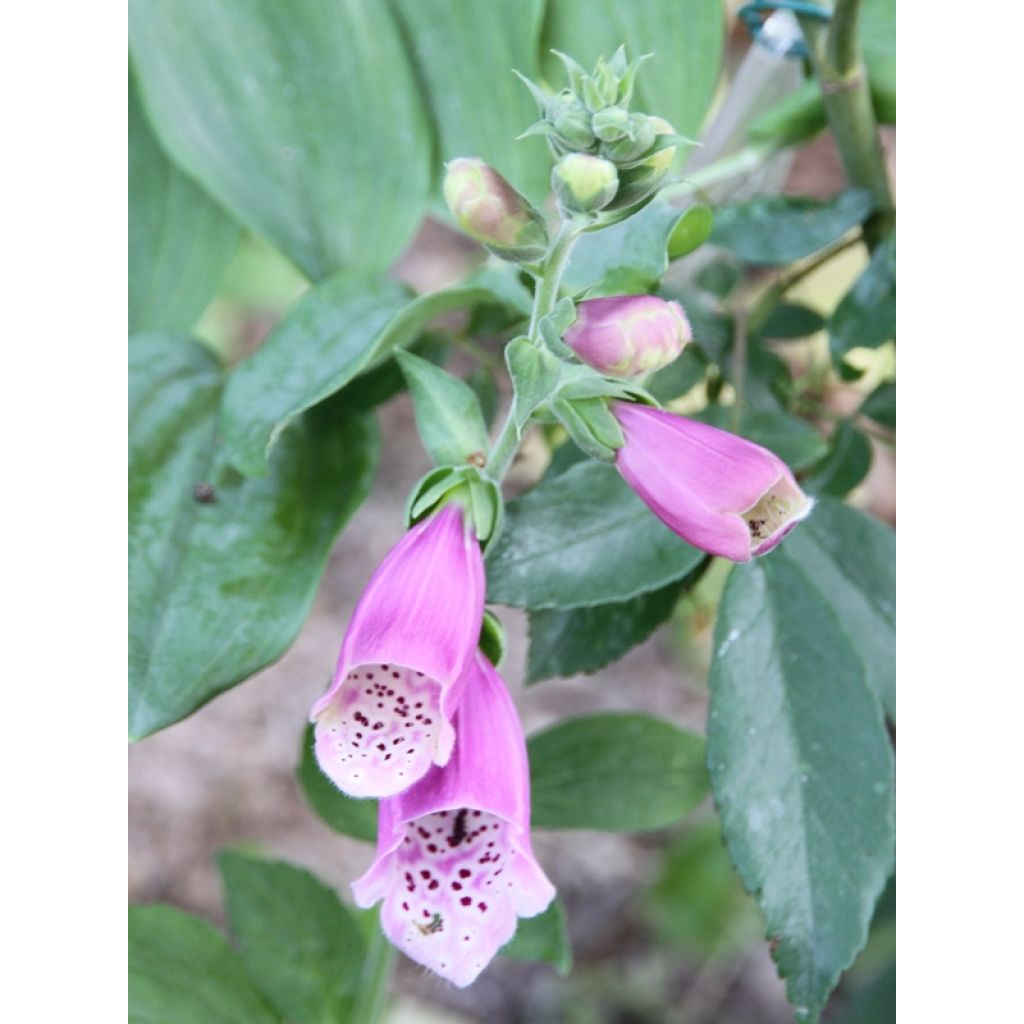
454	864
388	713
628	335
720	492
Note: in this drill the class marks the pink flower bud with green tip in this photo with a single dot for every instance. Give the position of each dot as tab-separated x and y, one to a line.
454	863
490	210
721	493
387	716
628	335
584	183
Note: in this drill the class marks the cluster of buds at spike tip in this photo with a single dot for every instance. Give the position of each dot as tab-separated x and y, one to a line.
490	210
592	118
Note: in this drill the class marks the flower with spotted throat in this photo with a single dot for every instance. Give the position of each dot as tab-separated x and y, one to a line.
387	716
454	863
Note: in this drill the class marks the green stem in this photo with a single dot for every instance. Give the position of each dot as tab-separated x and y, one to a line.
743	161
378	968
835	56
544	299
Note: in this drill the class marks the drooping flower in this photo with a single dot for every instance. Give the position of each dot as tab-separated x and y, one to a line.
721	493
388	713
454	863
628	335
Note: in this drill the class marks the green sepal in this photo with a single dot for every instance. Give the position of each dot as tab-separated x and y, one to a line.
478	494
591	425
493	639
535	374
555	324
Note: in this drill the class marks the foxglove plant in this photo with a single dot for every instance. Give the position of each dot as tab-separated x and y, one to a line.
454	864
387	715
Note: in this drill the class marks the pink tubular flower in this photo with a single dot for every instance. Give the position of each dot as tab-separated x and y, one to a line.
628	335
454	863
388	713
723	494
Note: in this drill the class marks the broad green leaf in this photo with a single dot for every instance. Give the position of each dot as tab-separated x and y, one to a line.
692	230
484	384
583	538
448	415
181	969
179	239
697	903
350	817
465	52
543	939
563	643
774	230
303	119
878	46
795	441
790	320
535	374
384	381
685	38
847	463
679	376
223	569
880	405
850	559
866	317
618	772
298	942
629	258
802	771
344	326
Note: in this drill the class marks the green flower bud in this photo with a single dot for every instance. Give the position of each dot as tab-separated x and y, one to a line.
489	209
640	182
584	183
610	124
638	139
571	120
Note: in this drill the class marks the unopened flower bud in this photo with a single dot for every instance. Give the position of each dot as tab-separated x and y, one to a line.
628	335
639	139
584	183
489	209
638	183
610	124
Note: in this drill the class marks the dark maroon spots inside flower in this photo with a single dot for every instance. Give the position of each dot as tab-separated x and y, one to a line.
466	901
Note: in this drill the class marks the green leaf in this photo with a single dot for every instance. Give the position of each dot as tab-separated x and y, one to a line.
866	317
790	320
774	230
583	538
802	771
679	377
692	230
685	38
448	415
795	441
181	969
618	772
304	120
542	939
850	559
350	817
697	903
880	405
564	643
298	942
341	328
484	384
223	568
628	258
179	239
847	463
466	51
535	374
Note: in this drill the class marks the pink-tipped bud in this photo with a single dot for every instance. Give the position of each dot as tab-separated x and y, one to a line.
489	209
628	335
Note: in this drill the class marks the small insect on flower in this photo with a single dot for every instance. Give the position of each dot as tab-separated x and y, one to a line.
454	865
388	713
